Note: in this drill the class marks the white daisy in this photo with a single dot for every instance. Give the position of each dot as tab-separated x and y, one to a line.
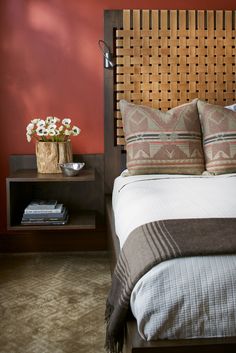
49	119
41	131
41	123
56	120
30	127
35	121
51	132
75	130
66	122
52	127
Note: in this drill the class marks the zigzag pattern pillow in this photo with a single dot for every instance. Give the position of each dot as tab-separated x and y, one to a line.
162	142
219	137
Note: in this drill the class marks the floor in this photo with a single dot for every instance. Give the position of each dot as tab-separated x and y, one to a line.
53	303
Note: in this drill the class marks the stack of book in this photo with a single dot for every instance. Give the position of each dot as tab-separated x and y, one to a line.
41	212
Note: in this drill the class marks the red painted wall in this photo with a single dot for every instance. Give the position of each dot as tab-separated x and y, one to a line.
51	65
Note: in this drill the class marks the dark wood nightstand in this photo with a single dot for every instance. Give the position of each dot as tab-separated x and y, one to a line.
83	195
26	185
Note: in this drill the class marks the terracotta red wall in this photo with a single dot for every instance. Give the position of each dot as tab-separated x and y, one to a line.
51	65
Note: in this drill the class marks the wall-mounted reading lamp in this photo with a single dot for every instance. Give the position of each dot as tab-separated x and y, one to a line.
108	57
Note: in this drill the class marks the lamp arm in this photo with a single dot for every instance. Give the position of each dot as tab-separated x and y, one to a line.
108	57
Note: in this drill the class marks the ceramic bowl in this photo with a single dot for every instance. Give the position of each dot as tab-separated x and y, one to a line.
71	169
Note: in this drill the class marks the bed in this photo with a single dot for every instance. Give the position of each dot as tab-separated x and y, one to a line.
165	59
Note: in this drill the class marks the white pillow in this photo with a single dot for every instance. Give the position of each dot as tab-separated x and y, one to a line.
231	107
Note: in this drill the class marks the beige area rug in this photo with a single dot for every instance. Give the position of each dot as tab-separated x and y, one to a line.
53	303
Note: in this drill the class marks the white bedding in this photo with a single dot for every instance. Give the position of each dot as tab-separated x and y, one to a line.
187	297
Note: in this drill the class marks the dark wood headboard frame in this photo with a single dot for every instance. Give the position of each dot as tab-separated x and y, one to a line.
164	59
113	19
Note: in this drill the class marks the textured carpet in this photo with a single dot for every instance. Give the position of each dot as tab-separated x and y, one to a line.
53	303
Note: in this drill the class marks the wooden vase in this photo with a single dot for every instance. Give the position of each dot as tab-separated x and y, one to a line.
50	155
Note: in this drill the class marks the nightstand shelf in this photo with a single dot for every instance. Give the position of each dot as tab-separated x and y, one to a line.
25	185
31	175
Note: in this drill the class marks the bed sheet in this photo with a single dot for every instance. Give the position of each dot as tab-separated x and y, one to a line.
186	297
141	199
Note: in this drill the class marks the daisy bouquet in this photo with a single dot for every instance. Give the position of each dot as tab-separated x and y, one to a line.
51	129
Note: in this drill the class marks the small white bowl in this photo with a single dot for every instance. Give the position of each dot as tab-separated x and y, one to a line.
71	169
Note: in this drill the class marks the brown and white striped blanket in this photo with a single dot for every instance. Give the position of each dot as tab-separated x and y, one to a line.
151	244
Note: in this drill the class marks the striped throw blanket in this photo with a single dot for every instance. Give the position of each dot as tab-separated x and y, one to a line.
151	244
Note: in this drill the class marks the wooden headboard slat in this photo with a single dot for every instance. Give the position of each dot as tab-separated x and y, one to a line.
155	23
219	20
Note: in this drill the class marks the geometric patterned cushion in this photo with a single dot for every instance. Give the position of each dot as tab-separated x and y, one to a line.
219	137
162	142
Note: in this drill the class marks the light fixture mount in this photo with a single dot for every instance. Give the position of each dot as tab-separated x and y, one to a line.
108	57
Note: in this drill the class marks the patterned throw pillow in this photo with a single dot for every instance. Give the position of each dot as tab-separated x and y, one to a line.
162	142
219	137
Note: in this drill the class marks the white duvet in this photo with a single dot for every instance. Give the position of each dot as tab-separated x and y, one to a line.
187	297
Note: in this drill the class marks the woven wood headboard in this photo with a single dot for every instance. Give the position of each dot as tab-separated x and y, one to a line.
167	58
163	59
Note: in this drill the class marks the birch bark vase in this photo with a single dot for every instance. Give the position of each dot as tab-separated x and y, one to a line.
50	154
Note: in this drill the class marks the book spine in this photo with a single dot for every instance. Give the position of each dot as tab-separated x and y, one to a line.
42	218
42	211
52	223
45	216
47	222
40	205
39	208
